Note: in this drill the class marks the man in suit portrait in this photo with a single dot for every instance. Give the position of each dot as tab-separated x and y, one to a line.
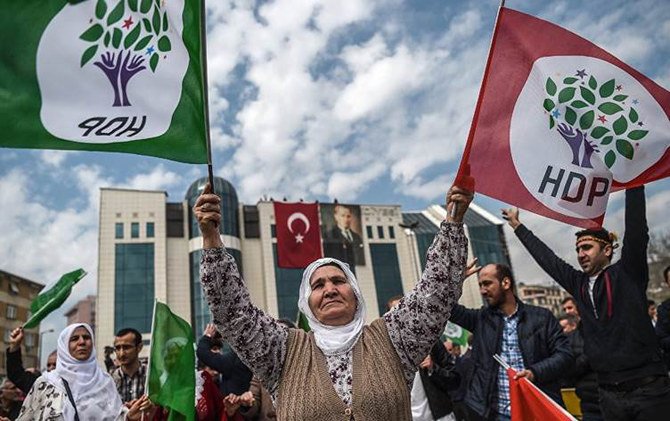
342	241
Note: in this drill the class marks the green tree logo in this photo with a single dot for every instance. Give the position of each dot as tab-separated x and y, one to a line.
123	45
594	118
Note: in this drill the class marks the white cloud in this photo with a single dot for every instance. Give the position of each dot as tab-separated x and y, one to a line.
54	158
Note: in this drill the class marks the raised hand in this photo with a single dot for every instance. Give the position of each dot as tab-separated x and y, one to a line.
471	268
511	215
460	198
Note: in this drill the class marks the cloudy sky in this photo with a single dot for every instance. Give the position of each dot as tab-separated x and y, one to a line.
365	101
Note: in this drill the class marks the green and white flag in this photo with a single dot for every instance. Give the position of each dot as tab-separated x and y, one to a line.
171	379
103	75
456	334
53	298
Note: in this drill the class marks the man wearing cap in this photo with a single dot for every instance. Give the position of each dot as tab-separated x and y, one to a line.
611	298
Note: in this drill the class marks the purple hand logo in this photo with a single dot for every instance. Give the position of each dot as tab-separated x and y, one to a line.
123	42
578	102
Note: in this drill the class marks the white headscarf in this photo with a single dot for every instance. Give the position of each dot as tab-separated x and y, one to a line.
93	390
332	339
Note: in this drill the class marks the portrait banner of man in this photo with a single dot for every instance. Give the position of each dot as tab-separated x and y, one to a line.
342	233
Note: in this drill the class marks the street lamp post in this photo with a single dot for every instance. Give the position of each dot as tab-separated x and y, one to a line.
39	348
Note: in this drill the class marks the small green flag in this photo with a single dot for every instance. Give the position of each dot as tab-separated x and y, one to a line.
53	298
103	75
456	334
171	380
303	323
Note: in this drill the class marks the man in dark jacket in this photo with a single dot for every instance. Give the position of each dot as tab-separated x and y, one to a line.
619	340
437	379
235	376
528	338
663	322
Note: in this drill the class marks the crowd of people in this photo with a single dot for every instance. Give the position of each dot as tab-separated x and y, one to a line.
607	345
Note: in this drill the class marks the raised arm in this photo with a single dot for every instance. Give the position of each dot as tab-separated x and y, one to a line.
417	322
559	270
257	338
636	237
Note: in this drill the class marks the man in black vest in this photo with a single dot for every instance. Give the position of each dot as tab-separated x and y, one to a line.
619	339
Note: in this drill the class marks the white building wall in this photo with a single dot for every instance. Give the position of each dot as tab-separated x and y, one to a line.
127	206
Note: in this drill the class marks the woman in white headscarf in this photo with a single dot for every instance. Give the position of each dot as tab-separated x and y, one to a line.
77	389
343	368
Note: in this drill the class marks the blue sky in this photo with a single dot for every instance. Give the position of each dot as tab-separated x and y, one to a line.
364	101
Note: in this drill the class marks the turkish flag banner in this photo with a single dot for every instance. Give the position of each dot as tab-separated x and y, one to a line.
298	234
529	403
560	123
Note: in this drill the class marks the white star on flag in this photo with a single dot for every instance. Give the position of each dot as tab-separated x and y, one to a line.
298	238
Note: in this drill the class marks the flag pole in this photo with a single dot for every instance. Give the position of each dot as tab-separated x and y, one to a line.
471	133
205	82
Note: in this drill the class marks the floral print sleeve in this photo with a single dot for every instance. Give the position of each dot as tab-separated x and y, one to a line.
417	322
256	337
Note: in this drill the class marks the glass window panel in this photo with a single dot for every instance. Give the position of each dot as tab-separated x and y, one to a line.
134	286
135	230
150	230
380	232
369	230
118	230
386	270
391	232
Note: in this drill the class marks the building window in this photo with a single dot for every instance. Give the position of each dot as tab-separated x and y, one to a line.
380	232
386	270
135	230
13	288
30	340
134	286
118	230
391	232
11	312
150	230
273	231
287	282
369	230
7	333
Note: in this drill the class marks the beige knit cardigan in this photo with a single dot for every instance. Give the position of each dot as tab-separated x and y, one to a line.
379	391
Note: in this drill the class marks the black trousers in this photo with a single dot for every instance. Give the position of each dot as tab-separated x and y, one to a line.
650	402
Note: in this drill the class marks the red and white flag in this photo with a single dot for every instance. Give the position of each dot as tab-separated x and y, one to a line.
560	123
529	403
298	234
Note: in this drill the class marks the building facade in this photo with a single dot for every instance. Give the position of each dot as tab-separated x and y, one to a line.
547	296
151	248
16	294
82	312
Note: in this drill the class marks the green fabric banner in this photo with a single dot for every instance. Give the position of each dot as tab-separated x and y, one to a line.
456	334
53	298
103	75
171	380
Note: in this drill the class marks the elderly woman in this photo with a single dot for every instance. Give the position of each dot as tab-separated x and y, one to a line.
77	389
343	369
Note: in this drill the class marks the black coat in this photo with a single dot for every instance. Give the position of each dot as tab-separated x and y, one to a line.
544	347
17	374
620	342
235	376
581	376
663	329
438	382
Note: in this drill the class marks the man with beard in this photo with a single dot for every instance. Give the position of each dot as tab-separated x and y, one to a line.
619	339
528	338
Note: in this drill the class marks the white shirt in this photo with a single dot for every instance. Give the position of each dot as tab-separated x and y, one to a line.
420	408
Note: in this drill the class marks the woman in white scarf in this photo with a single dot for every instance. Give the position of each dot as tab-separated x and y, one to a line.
332	338
370	366
90	388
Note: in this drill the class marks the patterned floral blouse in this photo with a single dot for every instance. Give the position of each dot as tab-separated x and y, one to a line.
413	326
